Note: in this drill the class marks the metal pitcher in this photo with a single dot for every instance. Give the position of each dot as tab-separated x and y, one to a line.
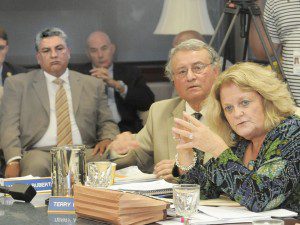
68	168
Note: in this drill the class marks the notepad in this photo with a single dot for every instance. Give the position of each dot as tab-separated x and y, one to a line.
158	187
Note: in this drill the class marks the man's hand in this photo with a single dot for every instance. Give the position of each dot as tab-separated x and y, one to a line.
123	143
163	170
101	146
103	73
12	169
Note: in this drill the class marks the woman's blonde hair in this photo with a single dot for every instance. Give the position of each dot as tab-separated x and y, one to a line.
277	100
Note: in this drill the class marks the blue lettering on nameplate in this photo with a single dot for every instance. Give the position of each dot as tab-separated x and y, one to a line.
42	184
61	204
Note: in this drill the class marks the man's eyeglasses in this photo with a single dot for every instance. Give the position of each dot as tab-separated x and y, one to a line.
197	68
2	47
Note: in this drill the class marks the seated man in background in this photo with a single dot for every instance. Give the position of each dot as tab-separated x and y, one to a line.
192	66
126	89
192	34
6	69
52	106
187	35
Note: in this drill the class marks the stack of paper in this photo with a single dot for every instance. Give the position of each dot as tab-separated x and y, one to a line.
158	187
227	215
224	215
221	201
132	174
117	207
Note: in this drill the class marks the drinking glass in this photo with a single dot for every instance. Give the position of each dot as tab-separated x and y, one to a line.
101	174
186	199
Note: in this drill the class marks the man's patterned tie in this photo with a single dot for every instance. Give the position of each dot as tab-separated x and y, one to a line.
64	132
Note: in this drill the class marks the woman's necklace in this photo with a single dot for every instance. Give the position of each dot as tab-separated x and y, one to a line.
251	165
252	157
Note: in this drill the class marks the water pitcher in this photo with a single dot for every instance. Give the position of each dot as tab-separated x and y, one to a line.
68	168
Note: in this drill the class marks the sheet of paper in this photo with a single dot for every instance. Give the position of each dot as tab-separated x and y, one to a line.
279	213
132	174
241	212
224	215
224	212
143	186
222	201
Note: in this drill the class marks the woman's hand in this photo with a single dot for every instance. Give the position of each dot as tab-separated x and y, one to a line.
193	134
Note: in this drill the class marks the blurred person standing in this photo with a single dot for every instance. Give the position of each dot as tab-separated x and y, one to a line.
282	19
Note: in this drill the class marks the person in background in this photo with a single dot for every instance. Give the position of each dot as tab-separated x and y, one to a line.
192	34
193	67
254	138
126	88
283	24
6	69
51	106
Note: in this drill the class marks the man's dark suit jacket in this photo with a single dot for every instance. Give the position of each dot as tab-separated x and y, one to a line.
9	69
139	96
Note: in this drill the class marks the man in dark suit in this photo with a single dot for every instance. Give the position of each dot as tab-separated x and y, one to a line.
6	68
126	88
50	107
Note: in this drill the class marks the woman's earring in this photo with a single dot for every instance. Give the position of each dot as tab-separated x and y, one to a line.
233	136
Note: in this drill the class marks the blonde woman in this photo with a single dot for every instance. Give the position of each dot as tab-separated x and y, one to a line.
254	137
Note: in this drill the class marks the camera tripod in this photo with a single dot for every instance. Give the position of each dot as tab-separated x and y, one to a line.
248	11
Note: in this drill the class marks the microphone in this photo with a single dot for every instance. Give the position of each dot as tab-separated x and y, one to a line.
23	192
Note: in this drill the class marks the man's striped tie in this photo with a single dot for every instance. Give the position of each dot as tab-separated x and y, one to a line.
64	133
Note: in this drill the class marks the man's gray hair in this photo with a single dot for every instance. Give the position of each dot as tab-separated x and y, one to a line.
49	32
192	45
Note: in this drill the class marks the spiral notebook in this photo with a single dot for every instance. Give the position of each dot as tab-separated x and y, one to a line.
158	187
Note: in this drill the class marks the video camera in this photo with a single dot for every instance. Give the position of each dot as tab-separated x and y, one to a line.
244	4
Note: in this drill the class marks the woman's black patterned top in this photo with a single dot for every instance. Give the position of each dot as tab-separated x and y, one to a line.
272	182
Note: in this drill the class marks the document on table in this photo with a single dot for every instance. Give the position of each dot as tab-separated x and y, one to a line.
158	187
221	201
223	215
132	174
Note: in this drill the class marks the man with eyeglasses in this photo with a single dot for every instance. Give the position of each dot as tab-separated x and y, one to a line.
192	67
53	106
6	69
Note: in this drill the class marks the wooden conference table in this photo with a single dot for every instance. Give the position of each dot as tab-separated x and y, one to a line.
35	213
